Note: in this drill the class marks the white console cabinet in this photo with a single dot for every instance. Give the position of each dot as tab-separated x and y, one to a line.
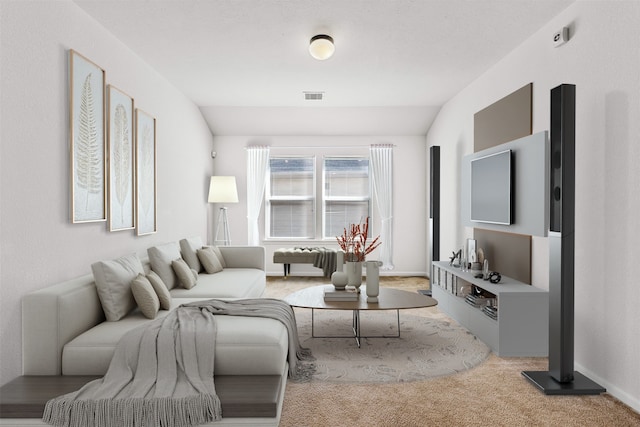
522	324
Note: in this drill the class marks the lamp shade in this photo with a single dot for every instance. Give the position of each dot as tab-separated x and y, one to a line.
321	47
222	189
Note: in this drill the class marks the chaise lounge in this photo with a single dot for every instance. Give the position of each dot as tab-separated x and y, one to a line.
67	330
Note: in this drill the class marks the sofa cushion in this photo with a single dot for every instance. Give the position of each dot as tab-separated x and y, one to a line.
188	247
244	345
209	260
160	258
113	283
187	278
229	283
164	297
216	250
145	296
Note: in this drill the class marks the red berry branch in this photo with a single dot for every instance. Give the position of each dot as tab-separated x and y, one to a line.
354	242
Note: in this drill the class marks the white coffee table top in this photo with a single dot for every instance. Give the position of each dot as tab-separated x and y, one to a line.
388	299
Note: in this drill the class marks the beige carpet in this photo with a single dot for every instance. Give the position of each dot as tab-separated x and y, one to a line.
491	394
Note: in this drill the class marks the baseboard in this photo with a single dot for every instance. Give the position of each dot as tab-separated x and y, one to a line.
631	401
388	273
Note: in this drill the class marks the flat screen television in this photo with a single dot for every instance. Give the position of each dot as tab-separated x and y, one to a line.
491	188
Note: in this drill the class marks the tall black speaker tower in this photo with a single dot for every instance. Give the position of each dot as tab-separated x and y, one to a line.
561	378
434	210
434	201
434	205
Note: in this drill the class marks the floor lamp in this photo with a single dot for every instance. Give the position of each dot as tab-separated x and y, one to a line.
222	189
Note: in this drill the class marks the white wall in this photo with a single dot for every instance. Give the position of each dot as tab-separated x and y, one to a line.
409	188
603	60
39	245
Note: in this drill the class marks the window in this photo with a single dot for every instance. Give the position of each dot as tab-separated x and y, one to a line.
346	193
291	211
291	197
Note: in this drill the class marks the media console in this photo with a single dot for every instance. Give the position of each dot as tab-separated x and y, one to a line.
521	323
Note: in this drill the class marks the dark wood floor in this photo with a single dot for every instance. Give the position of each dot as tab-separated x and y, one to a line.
240	395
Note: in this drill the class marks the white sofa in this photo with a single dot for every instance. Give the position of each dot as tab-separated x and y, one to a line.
65	331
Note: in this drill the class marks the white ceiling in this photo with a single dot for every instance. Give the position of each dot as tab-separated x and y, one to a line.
401	59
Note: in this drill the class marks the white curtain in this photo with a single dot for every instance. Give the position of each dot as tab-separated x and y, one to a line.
257	169
382	173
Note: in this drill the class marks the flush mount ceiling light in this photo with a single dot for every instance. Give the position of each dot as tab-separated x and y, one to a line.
321	47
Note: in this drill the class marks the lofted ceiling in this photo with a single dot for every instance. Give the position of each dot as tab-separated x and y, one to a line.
245	63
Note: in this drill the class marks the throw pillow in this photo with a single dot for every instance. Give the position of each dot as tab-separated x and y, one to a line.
160	258
216	250
209	260
186	276
161	290
145	296
188	247
113	283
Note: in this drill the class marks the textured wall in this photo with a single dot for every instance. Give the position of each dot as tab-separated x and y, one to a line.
602	59
409	200
39	245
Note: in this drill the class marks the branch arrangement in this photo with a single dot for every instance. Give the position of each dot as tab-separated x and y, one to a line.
353	242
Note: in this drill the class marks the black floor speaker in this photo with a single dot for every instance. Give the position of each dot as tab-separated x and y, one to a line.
434	206
561	378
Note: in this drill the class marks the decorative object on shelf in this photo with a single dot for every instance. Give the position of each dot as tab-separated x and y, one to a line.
472	254
495	277
339	278
485	269
481	257
475	268
455	256
353	242
373	280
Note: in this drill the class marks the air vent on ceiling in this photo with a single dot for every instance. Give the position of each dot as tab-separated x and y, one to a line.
313	96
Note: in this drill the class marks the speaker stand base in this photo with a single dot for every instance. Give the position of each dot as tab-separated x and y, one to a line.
426	292
580	385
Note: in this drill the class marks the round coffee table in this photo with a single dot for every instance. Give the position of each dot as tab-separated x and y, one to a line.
388	299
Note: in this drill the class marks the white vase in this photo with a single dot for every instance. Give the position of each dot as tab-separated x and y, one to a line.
339	278
354	274
373	280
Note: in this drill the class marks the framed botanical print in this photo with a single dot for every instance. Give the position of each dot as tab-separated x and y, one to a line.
87	139
121	155
146	200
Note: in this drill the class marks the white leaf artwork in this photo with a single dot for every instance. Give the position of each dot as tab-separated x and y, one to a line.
86	104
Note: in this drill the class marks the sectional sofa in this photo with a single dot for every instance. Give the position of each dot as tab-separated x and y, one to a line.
72	328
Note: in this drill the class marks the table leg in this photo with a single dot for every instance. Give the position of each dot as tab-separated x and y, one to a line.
356	327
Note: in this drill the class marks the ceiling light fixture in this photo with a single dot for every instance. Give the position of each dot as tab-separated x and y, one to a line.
321	47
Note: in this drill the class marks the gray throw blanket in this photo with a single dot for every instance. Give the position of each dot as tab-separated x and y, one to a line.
325	258
161	373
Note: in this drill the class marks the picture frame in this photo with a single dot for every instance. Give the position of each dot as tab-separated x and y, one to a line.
146	175
87	139
121	157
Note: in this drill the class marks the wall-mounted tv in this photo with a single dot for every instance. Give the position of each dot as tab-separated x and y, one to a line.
491	188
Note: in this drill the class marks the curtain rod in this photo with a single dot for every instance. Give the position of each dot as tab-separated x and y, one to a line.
320	146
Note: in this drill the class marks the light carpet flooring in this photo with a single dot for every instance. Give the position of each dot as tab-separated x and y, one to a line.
491	394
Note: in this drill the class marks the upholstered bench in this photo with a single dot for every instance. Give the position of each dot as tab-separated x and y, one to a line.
320	257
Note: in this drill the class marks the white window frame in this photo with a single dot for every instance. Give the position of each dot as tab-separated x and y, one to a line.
269	198
326	198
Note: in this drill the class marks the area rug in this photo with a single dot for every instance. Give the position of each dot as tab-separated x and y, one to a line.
428	347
